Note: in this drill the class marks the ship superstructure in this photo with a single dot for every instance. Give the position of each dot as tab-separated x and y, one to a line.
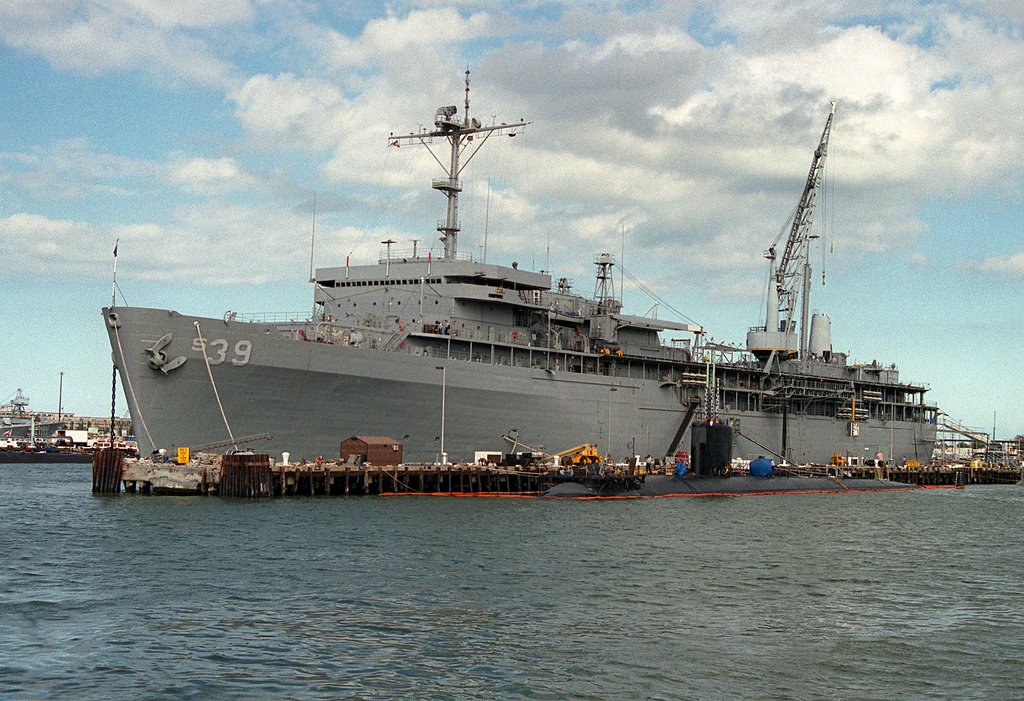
456	353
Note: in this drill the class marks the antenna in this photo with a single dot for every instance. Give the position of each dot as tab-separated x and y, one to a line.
312	239
113	281
460	135
487	217
466	120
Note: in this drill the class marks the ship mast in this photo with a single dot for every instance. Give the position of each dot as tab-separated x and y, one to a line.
459	134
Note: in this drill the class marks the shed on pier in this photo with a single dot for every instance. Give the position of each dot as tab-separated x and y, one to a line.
379	450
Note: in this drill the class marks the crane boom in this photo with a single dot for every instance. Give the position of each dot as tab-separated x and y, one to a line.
789	280
794	256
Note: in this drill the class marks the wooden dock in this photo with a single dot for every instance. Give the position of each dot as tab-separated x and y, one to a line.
258	476
952	475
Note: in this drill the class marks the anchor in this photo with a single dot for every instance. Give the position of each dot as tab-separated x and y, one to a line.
158	359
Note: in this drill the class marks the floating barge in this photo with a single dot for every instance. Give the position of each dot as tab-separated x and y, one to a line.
254	476
43	456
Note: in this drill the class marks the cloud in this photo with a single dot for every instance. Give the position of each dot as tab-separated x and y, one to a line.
71	170
212	175
149	37
296	112
191	13
694	142
425	32
31	243
215	243
1011	266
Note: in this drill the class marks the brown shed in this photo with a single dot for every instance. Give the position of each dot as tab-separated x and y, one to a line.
379	450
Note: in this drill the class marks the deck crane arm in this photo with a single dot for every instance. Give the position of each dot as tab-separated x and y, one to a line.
794	268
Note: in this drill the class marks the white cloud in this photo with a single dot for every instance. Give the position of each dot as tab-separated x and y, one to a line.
211	175
32	243
1010	266
703	149
214	243
191	13
99	39
293	111
420	36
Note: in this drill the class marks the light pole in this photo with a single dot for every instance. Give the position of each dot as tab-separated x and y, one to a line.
613	389
444	391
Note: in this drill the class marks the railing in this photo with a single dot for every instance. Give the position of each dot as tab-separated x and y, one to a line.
269	317
447	184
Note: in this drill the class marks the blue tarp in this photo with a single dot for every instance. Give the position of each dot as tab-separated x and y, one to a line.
762	467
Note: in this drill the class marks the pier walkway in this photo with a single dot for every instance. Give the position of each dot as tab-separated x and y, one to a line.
245	475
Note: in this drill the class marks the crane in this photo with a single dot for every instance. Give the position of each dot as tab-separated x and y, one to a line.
790	280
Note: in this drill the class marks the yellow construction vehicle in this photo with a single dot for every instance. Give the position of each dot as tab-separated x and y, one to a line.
585	454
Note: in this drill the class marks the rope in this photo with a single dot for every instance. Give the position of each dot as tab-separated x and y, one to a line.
394	476
113	402
202	344
131	390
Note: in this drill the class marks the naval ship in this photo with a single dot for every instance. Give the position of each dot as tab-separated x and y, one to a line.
448	356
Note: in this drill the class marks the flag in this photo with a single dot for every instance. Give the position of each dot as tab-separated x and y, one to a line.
395	143
115	247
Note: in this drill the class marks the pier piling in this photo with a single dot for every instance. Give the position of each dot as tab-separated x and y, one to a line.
107	466
245	476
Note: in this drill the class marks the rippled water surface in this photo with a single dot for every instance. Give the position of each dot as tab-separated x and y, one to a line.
893	595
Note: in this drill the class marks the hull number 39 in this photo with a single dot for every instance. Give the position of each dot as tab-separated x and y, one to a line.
220	350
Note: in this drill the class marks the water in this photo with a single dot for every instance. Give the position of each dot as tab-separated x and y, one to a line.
909	595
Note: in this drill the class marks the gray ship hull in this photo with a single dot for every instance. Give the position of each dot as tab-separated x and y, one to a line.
310	396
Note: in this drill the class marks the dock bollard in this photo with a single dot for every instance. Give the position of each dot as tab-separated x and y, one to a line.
107	466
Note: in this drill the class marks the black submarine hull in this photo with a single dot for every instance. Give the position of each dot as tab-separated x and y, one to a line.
698	485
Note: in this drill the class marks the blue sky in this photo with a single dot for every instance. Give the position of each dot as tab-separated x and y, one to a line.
197	133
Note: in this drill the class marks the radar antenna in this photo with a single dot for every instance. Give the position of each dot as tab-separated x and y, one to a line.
460	135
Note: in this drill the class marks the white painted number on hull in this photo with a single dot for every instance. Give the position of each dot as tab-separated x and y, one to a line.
219	348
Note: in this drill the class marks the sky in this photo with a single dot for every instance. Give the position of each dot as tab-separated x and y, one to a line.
200	136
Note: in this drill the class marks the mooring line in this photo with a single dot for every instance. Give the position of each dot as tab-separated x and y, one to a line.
202	344
128	381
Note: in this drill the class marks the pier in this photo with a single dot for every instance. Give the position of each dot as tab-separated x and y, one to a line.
259	476
938	475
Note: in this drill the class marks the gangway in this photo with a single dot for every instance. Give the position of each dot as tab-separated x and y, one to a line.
954	427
